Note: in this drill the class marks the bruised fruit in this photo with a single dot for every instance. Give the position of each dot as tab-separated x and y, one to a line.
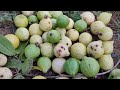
34	29
72	34
32	19
105	33
88	17
47	50
58	64
22	34
95	49
44	37
21	21
53	36
39	77
70	25
27	13
85	38
78	50
106	62
114	74
61	50
96	26
80	25
89	66
108	46
42	14
105	17
32	51
71	66
3	60
56	14
44	63
62	31
45	24
54	23
13	39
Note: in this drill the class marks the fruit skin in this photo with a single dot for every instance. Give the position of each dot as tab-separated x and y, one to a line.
62	78
56	14
105	17
45	24
72	34
32	19
88	17
5	73
27	13
3	60
22	34
89	66
44	37
108	47
62	31
106	62
39	77
85	38
114	74
47	50
34	29
21	21
62	21
42	14
53	36
71	66
13	39
95	49
44	63
54	23
36	39
70	25
58	64
61	50
105	33
32	51
78	50
80	25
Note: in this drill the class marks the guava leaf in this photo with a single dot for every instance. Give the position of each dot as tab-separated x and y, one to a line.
6	46
19	77
27	66
14	63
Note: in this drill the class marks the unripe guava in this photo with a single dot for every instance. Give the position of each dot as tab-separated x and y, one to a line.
56	14
70	25
54	23
3	60
114	74
32	19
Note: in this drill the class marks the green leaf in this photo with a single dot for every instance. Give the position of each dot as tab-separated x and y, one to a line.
27	66
14	63
19	77
6	46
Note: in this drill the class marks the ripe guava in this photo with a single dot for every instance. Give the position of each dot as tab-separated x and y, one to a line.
3	60
27	13
56	14
42	14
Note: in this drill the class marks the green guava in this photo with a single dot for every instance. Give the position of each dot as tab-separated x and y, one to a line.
54	23
32	19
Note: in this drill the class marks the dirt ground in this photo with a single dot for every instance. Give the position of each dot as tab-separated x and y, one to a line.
7	26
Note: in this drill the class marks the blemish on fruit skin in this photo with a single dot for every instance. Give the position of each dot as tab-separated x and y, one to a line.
66	43
50	34
91	47
62	47
1	76
100	34
96	45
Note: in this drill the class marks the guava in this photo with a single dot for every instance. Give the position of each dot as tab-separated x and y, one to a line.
96	26
105	33
27	13
63	21
70	25
61	50
108	47
105	17
54	23
22	34
36	39
62	31
47	50
3	60
44	37
95	49
85	38
44	63
58	64
32	19
13	39
39	77
42	14
78	76
53	36
88	16
62	78
65	40
5	73
56	14
72	34
32	51
106	62
71	66
21	21
34	29
80	25
89	66
78	50
114	74
45	24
